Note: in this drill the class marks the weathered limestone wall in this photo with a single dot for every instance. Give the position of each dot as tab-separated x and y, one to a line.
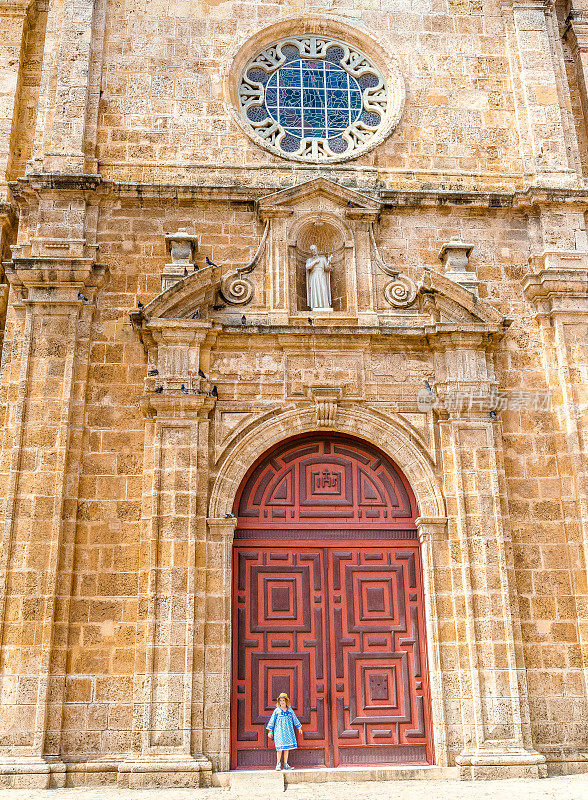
115	563
164	101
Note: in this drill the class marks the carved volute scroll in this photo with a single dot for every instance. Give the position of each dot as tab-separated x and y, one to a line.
401	291
236	288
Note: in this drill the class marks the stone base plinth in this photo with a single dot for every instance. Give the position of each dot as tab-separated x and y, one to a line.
366	773
31	773
499	764
165	772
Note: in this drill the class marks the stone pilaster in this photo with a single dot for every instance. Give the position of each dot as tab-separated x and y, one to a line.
435	555
279	258
576	35
557	286
492	685
13	24
217	685
168	714
44	377
65	95
547	136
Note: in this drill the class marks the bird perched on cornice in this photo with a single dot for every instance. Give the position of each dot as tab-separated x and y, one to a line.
159	390
210	263
83	298
200	373
140	304
153	372
214	392
243	320
219	307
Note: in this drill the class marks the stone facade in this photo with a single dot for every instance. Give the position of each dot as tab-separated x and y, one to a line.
457	344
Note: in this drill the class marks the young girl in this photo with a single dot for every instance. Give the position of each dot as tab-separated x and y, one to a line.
281	729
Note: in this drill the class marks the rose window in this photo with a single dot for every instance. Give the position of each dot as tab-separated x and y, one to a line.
316	99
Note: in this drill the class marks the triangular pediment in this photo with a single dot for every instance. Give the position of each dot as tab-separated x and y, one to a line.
349	199
451	305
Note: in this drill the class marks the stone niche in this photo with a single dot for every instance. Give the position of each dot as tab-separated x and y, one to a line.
329	237
338	221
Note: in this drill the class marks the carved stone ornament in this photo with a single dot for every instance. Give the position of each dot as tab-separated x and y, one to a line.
326	399
182	248
401	291
312	98
236	288
455	257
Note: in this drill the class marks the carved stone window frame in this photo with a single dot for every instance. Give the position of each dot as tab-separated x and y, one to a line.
361	50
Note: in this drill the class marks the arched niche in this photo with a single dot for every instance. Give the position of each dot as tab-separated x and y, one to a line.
332	239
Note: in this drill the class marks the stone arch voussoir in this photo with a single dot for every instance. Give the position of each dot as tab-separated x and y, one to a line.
394	438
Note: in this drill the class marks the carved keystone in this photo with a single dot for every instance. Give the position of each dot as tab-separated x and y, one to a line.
326	399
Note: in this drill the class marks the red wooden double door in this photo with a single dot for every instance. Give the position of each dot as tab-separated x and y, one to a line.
328	607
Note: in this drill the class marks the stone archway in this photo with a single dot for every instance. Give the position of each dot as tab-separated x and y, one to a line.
250	441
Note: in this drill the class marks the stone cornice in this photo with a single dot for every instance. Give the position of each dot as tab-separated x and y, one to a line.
558	284
34	184
176	406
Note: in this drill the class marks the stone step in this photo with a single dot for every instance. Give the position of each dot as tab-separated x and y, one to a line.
363	773
263	782
256	783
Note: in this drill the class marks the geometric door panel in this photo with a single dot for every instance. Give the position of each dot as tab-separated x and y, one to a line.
324	483
380	689
341	630
279	647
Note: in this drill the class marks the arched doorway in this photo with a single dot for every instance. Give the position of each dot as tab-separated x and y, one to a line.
328	606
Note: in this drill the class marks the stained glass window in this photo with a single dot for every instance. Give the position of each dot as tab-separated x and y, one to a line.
314	99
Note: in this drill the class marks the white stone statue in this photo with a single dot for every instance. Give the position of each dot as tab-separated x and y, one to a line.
318	280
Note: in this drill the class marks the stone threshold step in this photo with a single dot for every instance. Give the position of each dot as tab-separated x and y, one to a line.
355	774
260	781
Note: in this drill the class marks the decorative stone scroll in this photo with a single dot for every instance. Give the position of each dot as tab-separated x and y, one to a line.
235	288
312	98
401	291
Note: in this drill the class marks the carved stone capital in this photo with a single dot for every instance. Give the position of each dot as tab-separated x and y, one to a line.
222	528
176	406
16	8
326	400
576	32
55	279
431	527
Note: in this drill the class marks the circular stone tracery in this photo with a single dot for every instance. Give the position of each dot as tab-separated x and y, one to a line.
317	99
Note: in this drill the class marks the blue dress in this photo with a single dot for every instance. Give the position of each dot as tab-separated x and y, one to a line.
282	724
